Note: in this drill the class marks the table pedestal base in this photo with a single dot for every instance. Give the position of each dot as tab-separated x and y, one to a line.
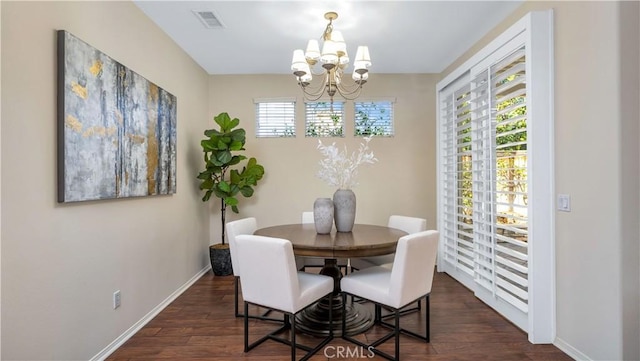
315	319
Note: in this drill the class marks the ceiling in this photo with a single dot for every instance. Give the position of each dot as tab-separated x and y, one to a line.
258	37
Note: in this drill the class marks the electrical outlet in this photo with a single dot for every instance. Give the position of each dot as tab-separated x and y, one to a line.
116	299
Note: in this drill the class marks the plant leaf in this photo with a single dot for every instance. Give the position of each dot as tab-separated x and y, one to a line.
222	120
224	186
246	191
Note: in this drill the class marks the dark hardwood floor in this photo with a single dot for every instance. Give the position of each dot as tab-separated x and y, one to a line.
200	325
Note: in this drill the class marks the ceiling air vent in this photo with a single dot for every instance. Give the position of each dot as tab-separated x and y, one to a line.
209	19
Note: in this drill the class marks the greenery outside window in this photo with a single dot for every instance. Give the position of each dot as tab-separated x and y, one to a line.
275	118
324	119
373	118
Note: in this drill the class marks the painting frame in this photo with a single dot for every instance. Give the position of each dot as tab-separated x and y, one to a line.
116	130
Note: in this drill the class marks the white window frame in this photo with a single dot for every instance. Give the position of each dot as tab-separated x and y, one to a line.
310	118
277	128
388	129
536	28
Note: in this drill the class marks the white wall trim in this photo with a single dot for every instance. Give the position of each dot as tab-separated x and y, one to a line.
570	350
542	256
113	346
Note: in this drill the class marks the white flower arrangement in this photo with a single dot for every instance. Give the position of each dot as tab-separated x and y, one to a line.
340	170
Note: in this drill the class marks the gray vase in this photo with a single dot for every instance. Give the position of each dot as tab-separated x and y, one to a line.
344	204
323	215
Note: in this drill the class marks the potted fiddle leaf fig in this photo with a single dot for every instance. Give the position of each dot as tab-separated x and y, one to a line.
226	178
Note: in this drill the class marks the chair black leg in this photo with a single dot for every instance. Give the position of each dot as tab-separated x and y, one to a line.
427	317
293	338
246	326
235	286
397	333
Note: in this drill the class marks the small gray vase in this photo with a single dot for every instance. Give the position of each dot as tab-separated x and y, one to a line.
344	204
323	215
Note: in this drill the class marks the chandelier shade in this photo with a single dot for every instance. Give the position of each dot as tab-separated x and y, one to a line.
333	61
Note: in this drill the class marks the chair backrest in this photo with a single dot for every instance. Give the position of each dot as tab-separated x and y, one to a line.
272	279
307	217
234	229
408	224
413	267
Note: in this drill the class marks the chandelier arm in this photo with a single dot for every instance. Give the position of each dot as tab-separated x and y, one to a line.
311	97
314	93
349	88
350	95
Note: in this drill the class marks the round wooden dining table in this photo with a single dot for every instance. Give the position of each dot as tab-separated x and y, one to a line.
364	240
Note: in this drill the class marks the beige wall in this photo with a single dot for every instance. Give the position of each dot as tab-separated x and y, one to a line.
596	289
402	182
62	262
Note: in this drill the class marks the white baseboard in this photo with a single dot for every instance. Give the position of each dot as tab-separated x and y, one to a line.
113	346
570	350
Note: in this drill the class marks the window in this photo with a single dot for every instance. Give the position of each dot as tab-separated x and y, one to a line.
373	118
275	118
324	119
490	111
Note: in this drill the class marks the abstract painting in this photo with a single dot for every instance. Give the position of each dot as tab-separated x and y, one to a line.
116	129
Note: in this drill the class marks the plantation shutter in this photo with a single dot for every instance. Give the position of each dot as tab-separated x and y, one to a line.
456	190
509	99
275	118
495	214
484	193
324	119
483	187
373	118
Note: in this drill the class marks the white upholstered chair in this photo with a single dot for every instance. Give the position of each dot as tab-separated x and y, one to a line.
409	280
270	279
234	229
403	223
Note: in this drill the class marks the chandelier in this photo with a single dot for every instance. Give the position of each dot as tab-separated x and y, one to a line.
334	60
